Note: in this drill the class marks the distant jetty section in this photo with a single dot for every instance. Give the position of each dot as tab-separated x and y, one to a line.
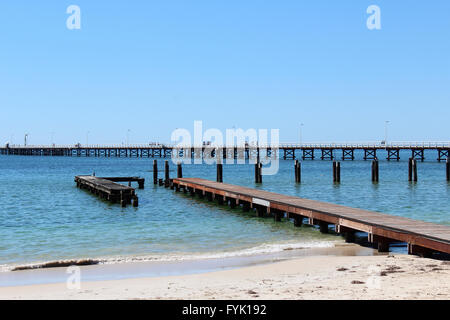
306	151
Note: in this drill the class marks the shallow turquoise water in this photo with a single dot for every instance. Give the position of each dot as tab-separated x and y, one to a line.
44	217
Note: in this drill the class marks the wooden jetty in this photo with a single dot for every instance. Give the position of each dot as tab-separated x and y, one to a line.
305	151
422	238
108	189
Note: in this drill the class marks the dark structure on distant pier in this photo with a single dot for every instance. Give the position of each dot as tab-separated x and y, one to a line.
323	151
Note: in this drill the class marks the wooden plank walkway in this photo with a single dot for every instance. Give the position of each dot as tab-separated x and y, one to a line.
109	190
423	238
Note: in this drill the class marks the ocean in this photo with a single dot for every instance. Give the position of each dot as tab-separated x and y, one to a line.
44	217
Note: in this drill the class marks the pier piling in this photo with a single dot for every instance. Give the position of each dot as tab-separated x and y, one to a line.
258	170
448	169
375	171
410	170
414	170
336	172
166	174
155	172
298	171
179	170
219	175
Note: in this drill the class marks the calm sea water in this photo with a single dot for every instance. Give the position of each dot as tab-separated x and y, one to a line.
44	217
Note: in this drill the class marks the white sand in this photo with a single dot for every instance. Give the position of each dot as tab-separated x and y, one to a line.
304	278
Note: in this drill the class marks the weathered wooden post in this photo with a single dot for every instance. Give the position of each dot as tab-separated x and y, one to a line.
448	168
336	171
135	201
323	227
155	172
179	170
219	175
375	171
414	163
260	172
410	170
298	221
258	178
298	172
123	202
166	173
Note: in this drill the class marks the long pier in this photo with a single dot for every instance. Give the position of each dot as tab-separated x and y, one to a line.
422	238
306	151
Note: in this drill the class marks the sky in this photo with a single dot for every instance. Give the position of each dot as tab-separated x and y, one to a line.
138	70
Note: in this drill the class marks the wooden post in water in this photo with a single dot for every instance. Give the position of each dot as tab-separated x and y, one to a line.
448	168
155	172
336	171
414	164
375	171
219	175
298	172
410	169
166	173
298	221
179	170
260	172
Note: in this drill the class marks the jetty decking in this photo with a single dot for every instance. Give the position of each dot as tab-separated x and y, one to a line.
422	238
108	189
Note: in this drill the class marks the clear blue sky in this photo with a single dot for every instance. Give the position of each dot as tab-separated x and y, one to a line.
153	66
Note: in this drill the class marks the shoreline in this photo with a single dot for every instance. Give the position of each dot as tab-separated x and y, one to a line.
129	269
310	277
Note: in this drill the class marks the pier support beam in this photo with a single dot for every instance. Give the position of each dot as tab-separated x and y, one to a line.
419	251
298	221
232	202
219	198
261	211
308	154
277	214
323	227
245	206
393	154
348	233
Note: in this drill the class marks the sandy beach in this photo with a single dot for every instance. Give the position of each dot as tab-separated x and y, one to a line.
316	277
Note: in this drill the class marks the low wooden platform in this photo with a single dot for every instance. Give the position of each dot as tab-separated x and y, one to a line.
139	180
107	189
423	238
